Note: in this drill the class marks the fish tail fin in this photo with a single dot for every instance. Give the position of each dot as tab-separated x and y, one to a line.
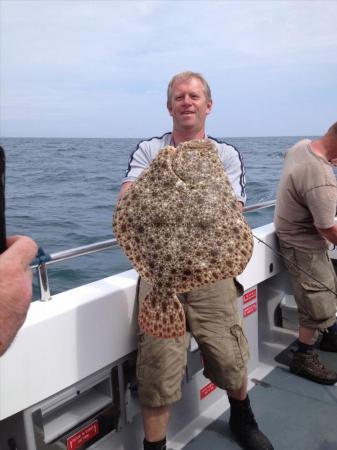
162	315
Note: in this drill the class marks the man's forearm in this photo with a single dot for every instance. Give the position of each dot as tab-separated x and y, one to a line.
240	205
15	286
10	322
124	188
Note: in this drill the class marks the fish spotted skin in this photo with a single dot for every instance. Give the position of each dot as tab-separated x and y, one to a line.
180	225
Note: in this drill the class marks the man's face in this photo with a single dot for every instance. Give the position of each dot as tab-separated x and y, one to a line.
188	105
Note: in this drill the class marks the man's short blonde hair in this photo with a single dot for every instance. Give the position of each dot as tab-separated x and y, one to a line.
185	76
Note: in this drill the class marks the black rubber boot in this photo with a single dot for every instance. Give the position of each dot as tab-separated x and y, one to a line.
243	425
159	445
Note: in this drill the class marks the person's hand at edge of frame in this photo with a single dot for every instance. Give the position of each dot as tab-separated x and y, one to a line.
15	286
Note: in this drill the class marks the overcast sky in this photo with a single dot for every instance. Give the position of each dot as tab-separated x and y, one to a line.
82	68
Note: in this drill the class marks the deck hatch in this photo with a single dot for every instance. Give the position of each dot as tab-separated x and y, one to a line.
69	415
77	417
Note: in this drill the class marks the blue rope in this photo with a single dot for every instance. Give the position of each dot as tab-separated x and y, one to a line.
42	257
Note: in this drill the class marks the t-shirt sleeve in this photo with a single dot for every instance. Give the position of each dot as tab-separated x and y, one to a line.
233	165
138	161
321	202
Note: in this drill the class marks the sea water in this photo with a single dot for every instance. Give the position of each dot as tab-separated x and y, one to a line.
62	193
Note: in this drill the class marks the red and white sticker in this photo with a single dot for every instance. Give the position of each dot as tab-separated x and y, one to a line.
206	390
81	437
250	295
248	310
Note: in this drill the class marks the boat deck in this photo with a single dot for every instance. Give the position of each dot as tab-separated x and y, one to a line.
295	413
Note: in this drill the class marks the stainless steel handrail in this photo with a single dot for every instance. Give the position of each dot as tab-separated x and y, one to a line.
79	251
257	206
97	247
62	256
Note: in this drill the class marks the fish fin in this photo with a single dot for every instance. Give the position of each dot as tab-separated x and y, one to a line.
162	315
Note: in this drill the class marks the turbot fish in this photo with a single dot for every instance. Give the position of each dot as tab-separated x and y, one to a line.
180	225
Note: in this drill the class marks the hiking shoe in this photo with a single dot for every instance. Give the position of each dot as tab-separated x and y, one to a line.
243	425
329	342
308	365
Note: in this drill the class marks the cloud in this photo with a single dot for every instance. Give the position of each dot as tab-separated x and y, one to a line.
78	58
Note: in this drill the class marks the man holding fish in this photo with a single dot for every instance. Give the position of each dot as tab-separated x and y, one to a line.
210	310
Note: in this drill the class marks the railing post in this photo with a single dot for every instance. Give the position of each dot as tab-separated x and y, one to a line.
43	282
43	259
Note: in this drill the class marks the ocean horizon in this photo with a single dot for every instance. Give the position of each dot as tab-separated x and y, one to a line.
62	193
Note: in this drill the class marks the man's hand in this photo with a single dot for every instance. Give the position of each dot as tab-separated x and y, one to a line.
240	205
329	233
15	286
124	188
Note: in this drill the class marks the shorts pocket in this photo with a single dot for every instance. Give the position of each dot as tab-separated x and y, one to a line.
319	302
240	345
140	365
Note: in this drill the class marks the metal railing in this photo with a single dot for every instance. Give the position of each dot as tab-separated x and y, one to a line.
96	247
257	206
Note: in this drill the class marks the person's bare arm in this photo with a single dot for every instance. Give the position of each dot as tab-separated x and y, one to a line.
240	205
15	287
124	188
329	233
